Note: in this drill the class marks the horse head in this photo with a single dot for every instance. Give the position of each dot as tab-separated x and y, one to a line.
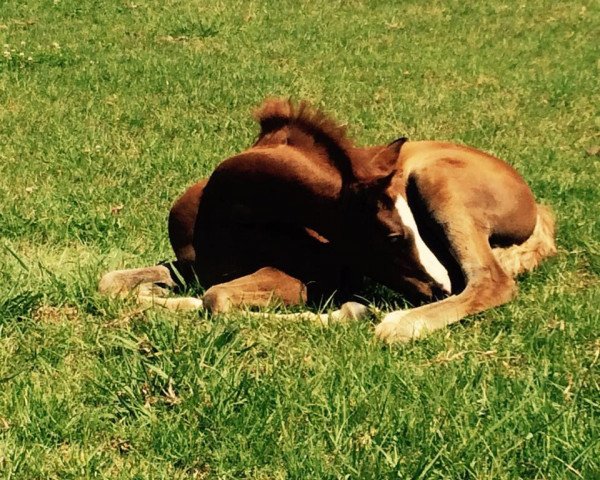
381	230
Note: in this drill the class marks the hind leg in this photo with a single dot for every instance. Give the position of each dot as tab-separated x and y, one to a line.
123	282
517	259
467	231
146	283
488	286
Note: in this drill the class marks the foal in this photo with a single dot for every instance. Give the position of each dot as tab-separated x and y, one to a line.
304	213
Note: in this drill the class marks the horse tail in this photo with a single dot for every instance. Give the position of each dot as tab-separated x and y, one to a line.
541	244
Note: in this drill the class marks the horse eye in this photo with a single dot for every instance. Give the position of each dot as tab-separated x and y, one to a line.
395	238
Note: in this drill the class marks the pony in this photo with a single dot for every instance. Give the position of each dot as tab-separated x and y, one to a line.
304	214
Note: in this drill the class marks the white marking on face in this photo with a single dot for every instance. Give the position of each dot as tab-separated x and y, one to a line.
428	260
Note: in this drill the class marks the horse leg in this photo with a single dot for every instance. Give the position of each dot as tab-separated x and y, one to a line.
270	284
120	283
349	311
487	284
521	258
258	289
146	285
182	221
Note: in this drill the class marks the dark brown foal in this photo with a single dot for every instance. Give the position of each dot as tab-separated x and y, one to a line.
272	223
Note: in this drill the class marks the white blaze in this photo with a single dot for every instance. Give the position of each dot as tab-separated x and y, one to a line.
429	261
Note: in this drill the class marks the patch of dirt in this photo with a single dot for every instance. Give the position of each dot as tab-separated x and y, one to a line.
50	314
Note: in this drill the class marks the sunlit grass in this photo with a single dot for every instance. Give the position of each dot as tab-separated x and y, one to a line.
109	109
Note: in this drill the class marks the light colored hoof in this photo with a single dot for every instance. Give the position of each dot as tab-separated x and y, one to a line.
353	311
111	284
395	327
121	282
217	300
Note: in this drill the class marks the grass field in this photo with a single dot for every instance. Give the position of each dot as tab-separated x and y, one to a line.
109	109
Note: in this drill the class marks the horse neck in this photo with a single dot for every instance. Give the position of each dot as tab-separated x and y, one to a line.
314	185
283	184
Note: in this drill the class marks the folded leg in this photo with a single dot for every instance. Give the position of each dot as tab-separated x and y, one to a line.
258	289
147	286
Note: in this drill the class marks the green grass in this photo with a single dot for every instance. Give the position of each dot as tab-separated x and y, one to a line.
113	103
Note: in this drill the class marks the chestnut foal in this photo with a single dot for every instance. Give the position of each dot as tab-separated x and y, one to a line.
304	214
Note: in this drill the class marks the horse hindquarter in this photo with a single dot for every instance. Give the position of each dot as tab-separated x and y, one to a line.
472	200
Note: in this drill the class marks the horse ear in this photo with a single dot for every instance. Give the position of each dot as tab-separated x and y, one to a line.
382	166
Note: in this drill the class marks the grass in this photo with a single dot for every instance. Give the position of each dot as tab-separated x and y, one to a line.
109	109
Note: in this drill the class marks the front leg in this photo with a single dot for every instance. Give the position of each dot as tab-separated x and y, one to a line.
258	289
270	284
415	323
146	286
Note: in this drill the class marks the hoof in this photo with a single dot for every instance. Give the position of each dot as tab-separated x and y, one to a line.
110	284
217	300
353	311
396	328
121	282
